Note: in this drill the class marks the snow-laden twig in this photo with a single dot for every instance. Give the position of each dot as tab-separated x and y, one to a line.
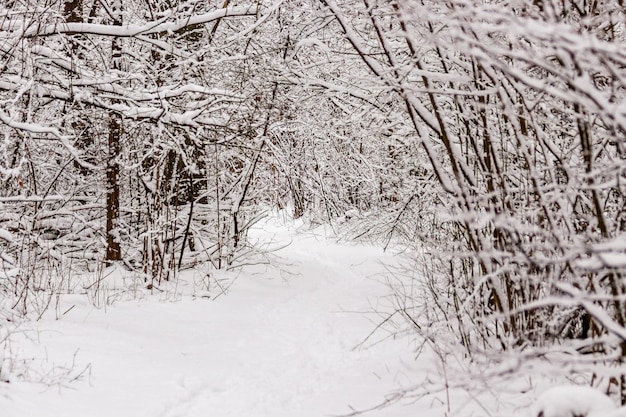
132	30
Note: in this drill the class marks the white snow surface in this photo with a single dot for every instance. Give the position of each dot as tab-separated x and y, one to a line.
283	341
576	401
297	338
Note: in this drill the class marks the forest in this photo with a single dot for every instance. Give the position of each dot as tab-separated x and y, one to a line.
486	138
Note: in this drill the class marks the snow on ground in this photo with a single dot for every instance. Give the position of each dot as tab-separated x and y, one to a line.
297	338
282	342
570	401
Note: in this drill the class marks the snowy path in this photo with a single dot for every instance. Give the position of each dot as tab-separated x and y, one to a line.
275	345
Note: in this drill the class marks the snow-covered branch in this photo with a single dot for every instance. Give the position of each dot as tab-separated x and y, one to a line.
133	30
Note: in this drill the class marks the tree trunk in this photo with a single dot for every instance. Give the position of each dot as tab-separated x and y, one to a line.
113	252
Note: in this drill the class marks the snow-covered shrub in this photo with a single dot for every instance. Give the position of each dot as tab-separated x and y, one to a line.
519	109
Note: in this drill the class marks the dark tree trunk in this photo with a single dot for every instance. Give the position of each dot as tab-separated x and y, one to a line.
113	252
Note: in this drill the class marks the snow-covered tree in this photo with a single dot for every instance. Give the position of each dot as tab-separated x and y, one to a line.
519	109
131	130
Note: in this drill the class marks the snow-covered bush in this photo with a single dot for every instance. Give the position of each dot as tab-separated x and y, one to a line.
519	109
